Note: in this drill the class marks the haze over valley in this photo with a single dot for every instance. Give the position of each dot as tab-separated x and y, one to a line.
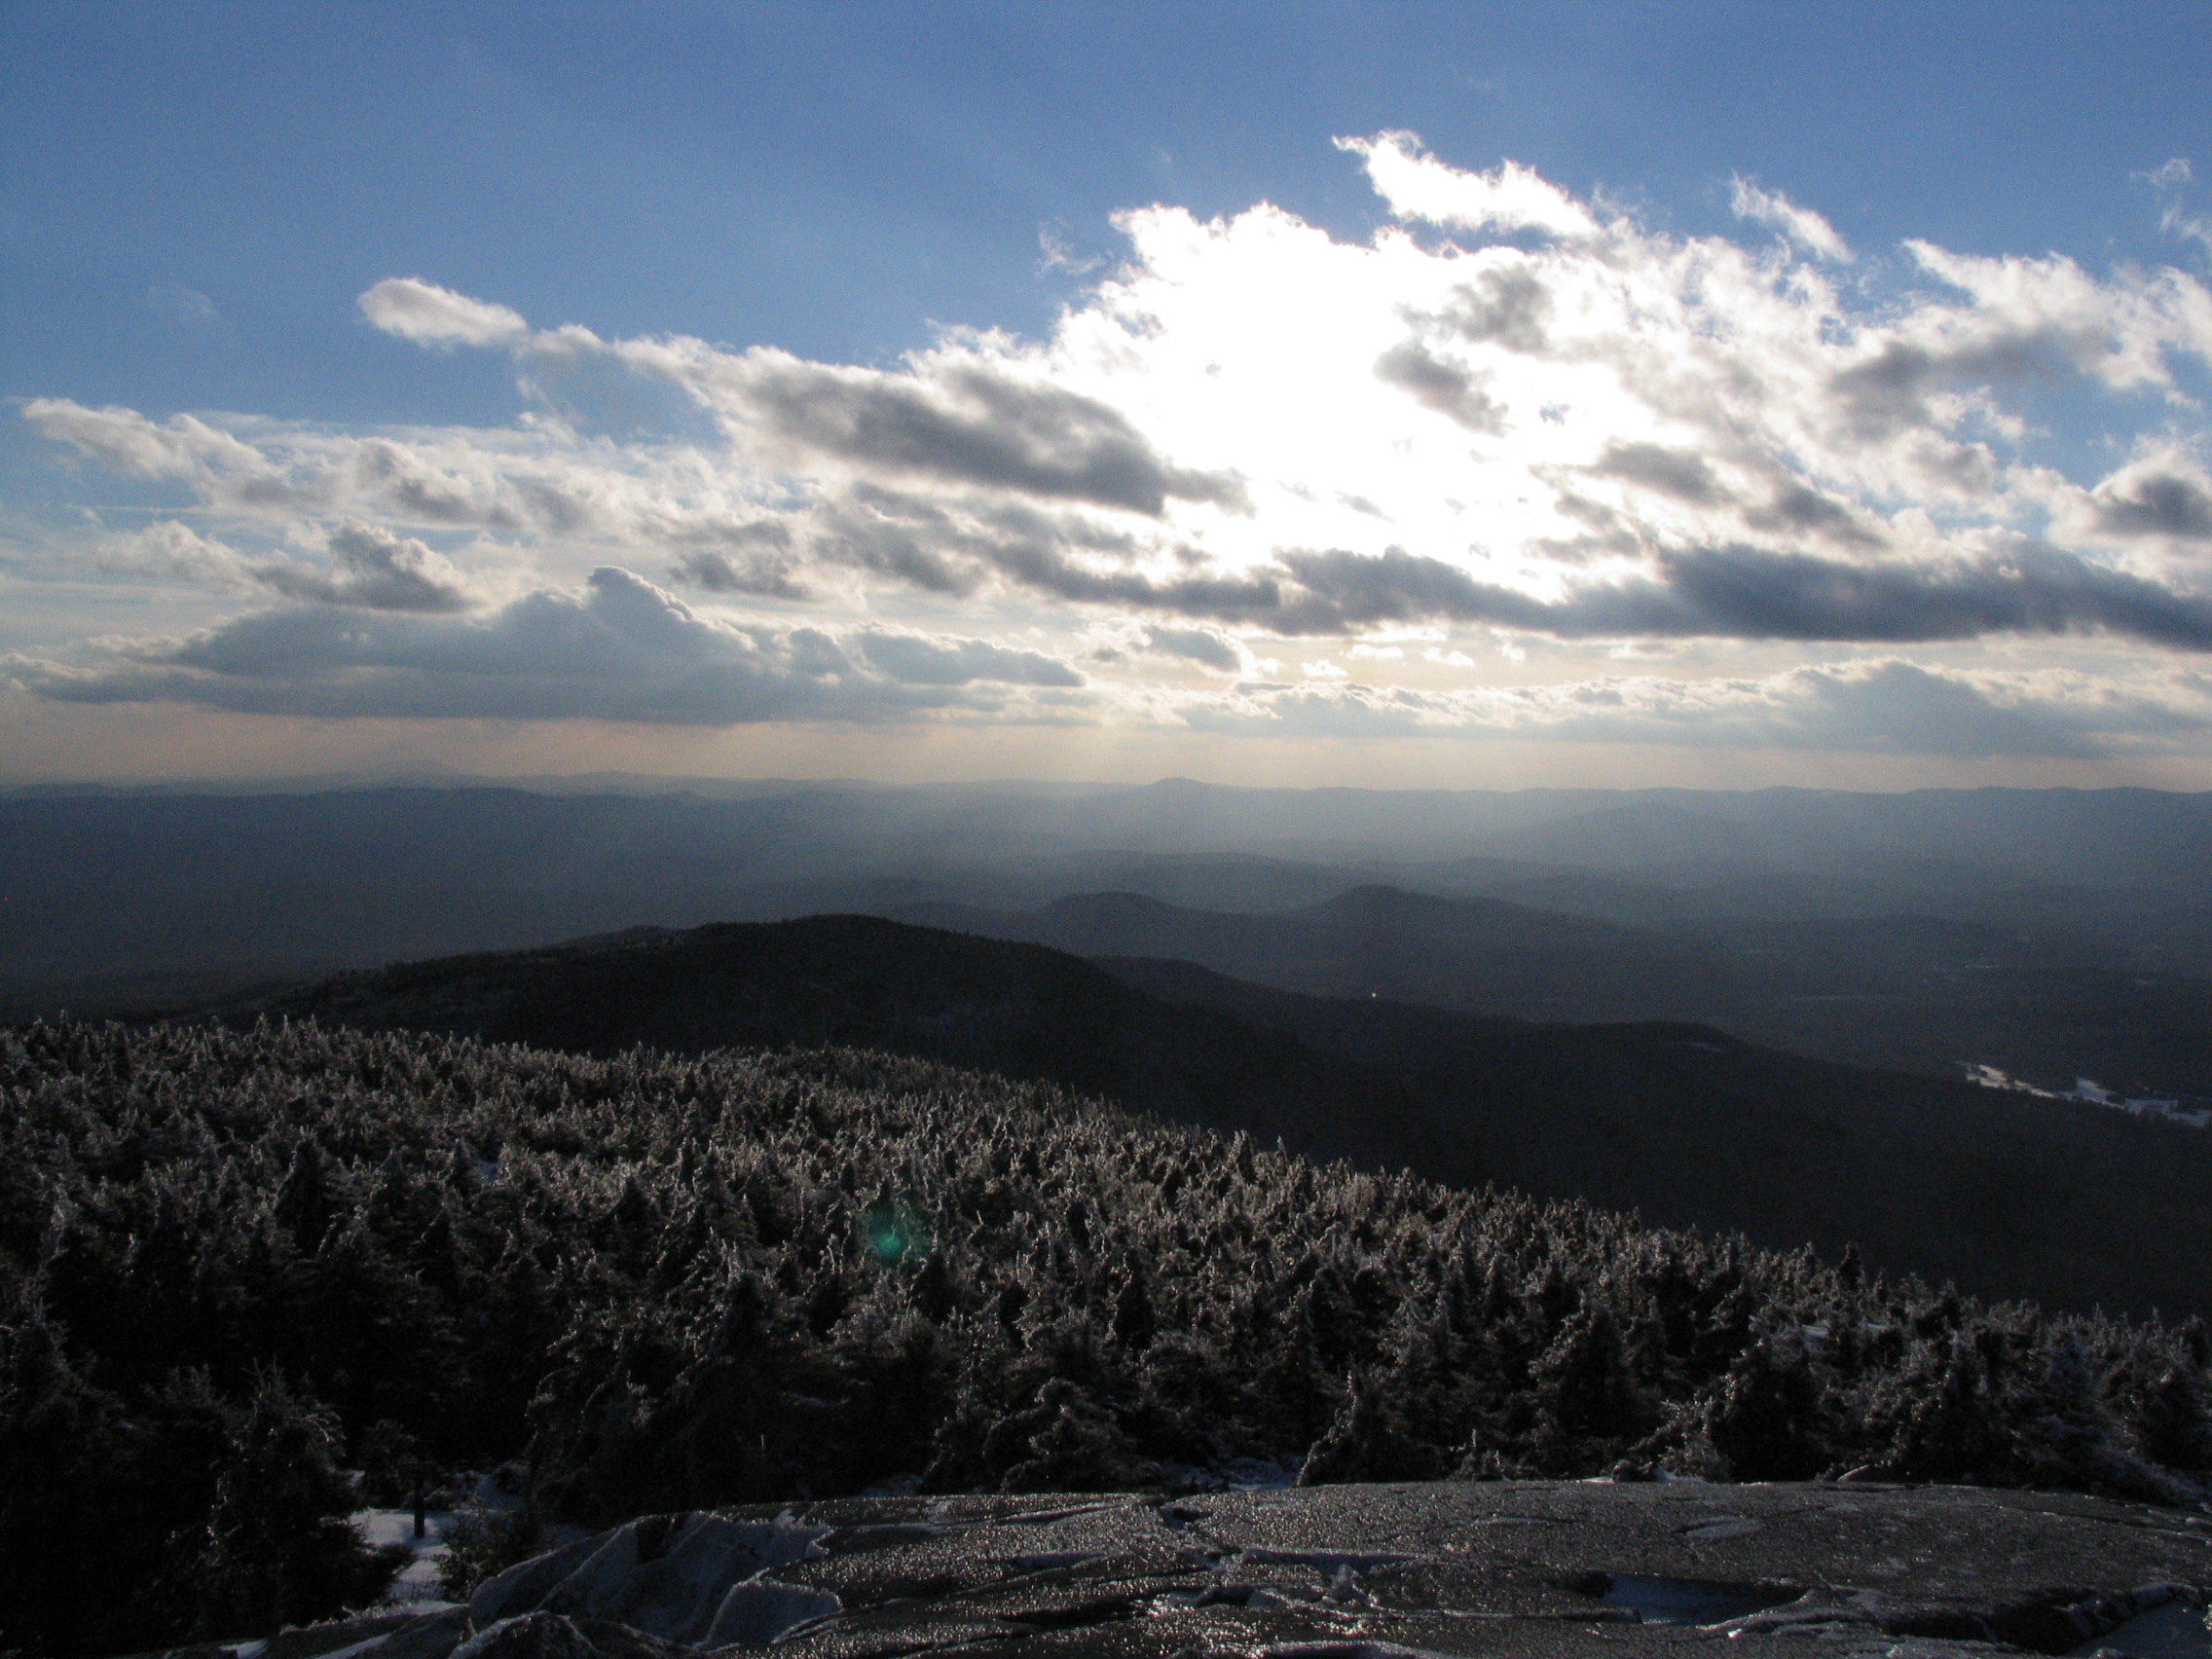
2052	937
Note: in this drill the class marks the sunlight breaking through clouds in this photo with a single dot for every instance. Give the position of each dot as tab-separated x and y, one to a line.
1514	416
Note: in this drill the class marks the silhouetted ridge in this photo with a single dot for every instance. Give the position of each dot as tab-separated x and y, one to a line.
1021	1011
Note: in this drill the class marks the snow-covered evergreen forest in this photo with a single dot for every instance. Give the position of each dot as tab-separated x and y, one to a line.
247	1276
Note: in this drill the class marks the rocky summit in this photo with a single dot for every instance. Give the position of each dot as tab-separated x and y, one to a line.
1521	1567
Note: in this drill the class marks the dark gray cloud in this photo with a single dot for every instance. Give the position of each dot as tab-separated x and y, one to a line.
1903	708
374	570
1886	394
1750	593
1732	591
1889	393
971	425
424	496
956	553
1444	386
1681	473
906	537
2156	504
1892	708
1049	568
755	557
620	649
1502	307
1337	592
1609	535
1800	507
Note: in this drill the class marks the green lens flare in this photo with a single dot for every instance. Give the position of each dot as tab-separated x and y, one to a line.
894	1233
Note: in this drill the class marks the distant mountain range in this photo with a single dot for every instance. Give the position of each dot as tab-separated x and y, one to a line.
2010	1196
2051	935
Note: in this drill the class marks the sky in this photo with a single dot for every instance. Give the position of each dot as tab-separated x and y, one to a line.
1360	394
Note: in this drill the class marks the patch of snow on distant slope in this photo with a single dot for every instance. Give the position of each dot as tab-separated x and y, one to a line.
2090	1091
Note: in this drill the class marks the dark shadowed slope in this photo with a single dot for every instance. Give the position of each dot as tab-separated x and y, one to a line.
2067	1204
1913	993
1020	1011
2009	1196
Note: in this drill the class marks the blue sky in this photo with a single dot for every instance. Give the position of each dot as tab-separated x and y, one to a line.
198	199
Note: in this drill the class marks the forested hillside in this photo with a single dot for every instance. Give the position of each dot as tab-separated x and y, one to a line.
234	1262
2072	1206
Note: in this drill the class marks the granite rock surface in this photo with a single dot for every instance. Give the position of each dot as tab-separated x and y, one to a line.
1539	1569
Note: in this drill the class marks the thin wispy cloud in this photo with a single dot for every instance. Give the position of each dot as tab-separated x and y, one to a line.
1801	225
2179	216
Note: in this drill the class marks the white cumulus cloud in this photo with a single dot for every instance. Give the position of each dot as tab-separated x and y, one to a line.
431	316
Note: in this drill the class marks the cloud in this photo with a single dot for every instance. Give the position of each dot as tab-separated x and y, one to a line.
617	648
1797	507
1678	473
368	568
2170	499
1731	590
754	558
1511	409
1053	252
2047	317
165	551
373	569
967	423
1801	225
1748	593
188	306
1444	386
431	315
1502	305
182	447
2170	180
1201	645
1508	198
915	660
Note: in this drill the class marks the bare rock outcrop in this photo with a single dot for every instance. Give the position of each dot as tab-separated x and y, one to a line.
1543	1568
